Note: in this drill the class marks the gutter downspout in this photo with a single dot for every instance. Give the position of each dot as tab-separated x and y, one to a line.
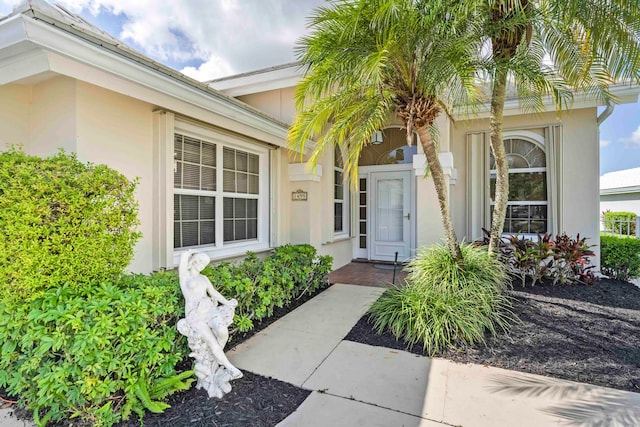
605	114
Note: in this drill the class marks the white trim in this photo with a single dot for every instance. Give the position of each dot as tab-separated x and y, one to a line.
345	201
419	163
220	249
303	172
620	190
274	78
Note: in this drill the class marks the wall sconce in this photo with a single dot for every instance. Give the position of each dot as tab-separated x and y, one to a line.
376	138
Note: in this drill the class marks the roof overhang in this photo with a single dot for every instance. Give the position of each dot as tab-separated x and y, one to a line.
33	49
279	77
620	190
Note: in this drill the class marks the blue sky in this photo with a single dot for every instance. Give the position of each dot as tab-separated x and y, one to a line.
206	39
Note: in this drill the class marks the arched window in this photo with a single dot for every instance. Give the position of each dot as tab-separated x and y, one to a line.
527	211
393	149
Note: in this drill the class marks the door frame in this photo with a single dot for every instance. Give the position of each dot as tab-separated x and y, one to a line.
365	172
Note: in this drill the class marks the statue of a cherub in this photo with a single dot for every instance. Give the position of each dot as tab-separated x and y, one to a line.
206	324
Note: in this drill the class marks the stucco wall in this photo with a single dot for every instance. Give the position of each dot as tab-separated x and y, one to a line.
578	175
277	103
53	118
14	115
116	130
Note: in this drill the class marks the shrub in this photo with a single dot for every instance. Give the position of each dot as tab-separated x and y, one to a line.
261	286
95	353
620	257
62	221
445	303
560	260
623	223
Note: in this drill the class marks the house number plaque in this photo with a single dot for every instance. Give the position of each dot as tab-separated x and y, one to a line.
299	196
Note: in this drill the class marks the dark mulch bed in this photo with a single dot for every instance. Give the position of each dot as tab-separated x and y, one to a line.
581	333
254	401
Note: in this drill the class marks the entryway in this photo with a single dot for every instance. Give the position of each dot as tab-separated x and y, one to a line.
386	214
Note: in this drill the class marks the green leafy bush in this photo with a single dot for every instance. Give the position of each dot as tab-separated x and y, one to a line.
95	353
62	221
623	223
445	303
620	257
559	260
260	286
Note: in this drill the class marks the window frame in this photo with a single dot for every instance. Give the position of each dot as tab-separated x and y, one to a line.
221	249
344	201
538	141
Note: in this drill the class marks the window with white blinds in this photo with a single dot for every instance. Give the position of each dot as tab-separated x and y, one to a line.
217	193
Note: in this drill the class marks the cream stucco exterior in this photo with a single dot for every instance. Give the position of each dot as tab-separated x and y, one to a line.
59	89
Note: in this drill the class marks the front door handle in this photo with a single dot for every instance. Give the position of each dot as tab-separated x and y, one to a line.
408	216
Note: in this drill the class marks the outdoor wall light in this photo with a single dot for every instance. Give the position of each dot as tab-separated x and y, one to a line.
376	138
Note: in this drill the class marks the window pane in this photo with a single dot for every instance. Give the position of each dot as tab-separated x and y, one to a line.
208	178
242	184
228	208
177	235
253	164
189	234
254	182
252	208
240	229
242	161
207	208
252	229
240	208
240	219
189	207
177	175
363	242
229	158
207	232
177	146
229	184
191	176
209	154
228	231
191	150
528	186
337	217
194	220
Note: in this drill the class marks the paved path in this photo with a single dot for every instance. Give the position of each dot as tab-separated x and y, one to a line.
360	385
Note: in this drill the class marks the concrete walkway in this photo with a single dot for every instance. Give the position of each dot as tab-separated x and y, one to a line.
360	385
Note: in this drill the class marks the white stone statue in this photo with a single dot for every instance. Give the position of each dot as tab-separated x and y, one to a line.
206	325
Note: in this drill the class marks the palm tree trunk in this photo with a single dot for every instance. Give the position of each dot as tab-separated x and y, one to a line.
441	189
502	165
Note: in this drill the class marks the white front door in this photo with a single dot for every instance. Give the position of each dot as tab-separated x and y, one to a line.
390	211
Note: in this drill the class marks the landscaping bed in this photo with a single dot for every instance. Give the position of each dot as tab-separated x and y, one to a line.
581	333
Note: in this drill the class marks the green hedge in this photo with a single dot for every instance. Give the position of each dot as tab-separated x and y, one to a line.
260	286
62	221
102	351
620	257
620	222
96	353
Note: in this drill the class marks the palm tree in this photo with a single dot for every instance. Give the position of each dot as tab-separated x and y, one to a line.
368	59
551	48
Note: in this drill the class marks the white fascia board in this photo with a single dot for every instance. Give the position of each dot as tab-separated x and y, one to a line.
259	82
626	94
620	190
75	57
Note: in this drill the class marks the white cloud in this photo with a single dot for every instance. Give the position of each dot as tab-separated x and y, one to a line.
213	68
635	136
604	143
225	35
